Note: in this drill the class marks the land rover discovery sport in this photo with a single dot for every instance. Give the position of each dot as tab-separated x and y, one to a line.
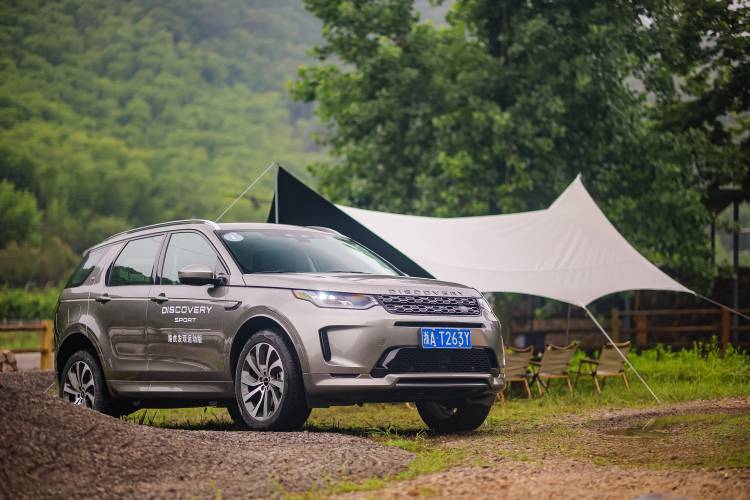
270	321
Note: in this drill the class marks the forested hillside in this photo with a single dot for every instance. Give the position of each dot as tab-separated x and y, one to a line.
114	114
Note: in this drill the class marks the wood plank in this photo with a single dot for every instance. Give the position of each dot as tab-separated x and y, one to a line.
21	327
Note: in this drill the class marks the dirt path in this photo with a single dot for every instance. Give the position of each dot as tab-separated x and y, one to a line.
569	480
49	448
610	454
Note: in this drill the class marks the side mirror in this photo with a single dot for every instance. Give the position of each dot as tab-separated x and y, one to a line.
198	274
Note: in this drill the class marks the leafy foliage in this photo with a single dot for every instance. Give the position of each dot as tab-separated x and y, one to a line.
115	114
499	110
16	304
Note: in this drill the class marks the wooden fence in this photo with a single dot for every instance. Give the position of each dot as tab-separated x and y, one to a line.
646	328
663	325
45	349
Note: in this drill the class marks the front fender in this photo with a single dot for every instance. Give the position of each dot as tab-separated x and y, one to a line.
264	312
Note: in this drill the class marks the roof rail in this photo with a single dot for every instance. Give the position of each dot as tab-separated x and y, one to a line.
326	230
164	224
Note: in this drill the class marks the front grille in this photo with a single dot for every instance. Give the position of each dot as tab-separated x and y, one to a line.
416	360
430	304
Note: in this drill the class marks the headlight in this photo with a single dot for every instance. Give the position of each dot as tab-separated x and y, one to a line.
337	300
485	305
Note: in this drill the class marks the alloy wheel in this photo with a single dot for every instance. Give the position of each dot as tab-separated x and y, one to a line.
78	386
262	381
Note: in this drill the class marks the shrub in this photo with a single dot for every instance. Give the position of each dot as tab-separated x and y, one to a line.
18	304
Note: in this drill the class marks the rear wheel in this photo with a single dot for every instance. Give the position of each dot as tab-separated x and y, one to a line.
444	418
82	383
268	387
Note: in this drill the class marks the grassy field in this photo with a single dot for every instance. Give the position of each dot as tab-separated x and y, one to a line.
699	373
533	430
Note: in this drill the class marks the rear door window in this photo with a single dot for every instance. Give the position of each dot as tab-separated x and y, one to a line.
135	264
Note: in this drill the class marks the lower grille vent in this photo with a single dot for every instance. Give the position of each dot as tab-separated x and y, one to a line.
416	360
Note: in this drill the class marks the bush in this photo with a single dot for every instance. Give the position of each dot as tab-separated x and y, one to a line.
17	304
26	264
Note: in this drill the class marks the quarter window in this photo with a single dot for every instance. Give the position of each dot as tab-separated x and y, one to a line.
185	249
135	264
84	269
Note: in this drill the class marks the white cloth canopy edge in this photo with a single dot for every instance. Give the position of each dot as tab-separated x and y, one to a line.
569	251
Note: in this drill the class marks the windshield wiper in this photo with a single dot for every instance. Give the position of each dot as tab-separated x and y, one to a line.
346	272
273	271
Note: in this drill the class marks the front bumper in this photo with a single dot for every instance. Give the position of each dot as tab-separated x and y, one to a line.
344	348
338	390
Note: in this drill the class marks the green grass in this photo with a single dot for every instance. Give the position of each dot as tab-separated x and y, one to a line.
530	430
20	340
698	373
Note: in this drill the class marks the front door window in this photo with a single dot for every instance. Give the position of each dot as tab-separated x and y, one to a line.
185	249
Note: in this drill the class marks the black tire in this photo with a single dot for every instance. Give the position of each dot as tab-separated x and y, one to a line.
94	396
289	408
234	411
444	419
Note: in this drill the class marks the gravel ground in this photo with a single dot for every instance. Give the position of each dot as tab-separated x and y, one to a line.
51	449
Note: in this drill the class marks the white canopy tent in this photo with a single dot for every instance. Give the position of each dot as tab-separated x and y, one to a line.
568	252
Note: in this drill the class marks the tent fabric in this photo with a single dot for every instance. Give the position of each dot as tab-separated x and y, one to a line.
295	203
568	252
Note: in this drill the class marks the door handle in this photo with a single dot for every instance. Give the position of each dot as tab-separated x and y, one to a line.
103	298
159	299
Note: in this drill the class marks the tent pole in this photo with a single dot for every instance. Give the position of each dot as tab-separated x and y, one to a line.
736	269
625	358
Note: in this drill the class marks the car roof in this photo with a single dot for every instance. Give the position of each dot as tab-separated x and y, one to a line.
197	223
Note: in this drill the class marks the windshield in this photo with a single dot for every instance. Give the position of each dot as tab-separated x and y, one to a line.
291	251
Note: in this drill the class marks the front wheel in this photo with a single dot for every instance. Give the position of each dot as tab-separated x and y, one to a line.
268	388
445	418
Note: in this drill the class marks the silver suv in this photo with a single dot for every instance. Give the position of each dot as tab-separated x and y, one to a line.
269	321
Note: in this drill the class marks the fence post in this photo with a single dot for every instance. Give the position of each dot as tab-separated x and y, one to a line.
641	336
615	324
45	363
725	327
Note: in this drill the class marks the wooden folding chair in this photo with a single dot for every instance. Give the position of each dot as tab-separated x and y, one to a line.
517	369
610	364
553	365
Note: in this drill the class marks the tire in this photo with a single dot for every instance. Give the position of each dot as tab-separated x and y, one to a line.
234	411
268	388
443	419
82	383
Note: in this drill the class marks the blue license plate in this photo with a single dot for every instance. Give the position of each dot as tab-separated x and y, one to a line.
445	338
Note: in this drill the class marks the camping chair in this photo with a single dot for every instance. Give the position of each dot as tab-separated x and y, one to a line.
609	364
554	364
517	368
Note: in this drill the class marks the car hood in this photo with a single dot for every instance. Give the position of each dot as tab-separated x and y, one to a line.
360	283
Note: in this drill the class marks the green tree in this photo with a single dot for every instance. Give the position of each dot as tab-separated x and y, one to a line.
700	74
114	115
498	111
